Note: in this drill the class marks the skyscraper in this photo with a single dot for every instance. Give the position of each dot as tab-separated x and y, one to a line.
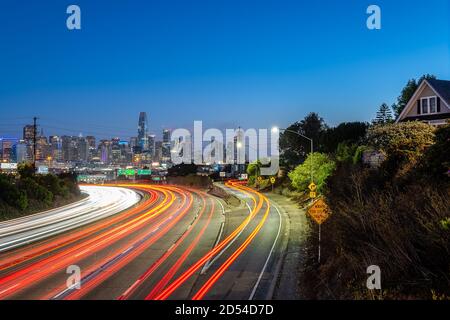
55	148
28	133
151	145
143	131
166	146
21	151
6	149
91	146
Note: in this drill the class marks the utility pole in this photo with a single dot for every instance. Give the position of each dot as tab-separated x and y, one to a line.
34	142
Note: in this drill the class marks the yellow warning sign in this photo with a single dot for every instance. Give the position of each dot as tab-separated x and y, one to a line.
272	180
312	194
319	211
312	186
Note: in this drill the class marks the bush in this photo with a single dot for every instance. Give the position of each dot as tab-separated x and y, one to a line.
10	194
322	166
404	143
436	160
36	191
345	152
397	227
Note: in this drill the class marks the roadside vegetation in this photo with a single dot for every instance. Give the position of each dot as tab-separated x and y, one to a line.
388	188
27	192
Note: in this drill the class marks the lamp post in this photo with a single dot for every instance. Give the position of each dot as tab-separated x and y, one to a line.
239	146
276	129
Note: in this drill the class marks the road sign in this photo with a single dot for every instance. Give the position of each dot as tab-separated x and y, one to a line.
312	186
319	211
223	174
144	172
126	172
259	179
42	170
8	166
312	194
272	180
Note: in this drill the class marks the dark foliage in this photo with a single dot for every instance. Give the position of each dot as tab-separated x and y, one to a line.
397	223
29	192
348	132
294	148
182	170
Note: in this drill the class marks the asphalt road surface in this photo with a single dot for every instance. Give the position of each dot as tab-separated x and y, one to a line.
175	243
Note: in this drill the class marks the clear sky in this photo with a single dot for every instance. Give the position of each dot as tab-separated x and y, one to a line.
229	63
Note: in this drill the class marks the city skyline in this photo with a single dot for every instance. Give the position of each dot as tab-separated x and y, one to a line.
141	148
248	64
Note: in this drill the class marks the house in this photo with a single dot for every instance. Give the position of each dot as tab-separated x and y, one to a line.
430	103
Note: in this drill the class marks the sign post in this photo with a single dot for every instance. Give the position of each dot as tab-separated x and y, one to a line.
258	181
312	190
319	212
272	181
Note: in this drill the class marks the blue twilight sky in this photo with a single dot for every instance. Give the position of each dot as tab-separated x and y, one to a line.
229	63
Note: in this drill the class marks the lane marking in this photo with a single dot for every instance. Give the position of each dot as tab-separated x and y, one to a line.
268	257
209	264
222	225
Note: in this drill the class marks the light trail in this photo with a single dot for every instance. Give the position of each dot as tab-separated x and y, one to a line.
172	271
38	271
190	271
105	268
101	203
163	258
23	254
221	270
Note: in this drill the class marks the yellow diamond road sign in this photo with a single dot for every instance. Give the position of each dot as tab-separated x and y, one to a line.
319	211
312	186
312	194
272	180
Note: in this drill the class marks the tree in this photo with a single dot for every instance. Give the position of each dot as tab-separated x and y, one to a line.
403	143
182	169
345	152
408	92
253	170
384	115
349	132
436	162
293	148
322	166
25	170
36	191
10	194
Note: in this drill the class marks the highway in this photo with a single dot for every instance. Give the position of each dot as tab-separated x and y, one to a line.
99	203
174	243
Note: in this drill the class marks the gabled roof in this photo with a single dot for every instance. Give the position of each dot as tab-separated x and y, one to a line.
440	87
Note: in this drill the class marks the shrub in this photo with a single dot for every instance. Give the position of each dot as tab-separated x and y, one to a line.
320	164
436	160
398	226
36	191
404	143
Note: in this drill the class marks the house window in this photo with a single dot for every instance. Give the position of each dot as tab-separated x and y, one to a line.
428	105
432	103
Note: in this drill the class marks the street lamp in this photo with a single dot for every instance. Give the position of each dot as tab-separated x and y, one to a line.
276	130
